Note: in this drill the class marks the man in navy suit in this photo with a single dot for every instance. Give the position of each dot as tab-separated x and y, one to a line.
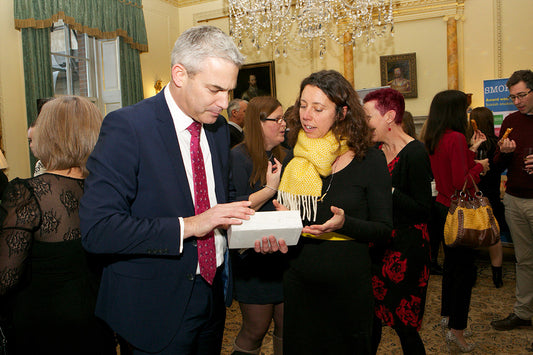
139	205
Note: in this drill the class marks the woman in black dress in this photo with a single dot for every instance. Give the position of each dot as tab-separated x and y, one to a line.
401	268
490	184
256	171
341	186
49	279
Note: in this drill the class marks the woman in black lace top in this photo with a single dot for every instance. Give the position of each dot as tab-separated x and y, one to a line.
46	275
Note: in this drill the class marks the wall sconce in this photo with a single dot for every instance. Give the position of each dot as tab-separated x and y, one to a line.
158	86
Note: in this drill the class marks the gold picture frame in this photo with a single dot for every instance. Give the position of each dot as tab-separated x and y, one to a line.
399	72
265	78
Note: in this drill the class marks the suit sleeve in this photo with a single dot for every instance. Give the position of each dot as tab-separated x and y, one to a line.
107	222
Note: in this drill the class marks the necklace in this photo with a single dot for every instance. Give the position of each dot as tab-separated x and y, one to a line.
321	199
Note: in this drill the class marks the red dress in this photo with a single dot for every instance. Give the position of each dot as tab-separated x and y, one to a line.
401	268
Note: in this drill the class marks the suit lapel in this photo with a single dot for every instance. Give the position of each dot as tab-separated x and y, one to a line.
217	167
169	139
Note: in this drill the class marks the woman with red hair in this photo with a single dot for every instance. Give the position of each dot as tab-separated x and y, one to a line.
401	268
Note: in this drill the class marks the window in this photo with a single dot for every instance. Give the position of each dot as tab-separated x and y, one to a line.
73	62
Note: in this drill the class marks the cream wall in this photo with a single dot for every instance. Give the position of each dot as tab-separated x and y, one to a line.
12	101
162	26
478	52
478	57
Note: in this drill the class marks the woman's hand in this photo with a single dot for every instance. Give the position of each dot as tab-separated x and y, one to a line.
334	223
478	138
279	206
268	245
485	164
273	174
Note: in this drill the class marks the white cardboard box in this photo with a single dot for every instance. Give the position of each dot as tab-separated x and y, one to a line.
281	224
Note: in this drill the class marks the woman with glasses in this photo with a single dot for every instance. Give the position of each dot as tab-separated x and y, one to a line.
256	171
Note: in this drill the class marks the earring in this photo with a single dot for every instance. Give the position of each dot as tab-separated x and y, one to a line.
390	129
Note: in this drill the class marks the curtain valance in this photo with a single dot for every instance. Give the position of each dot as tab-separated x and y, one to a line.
98	18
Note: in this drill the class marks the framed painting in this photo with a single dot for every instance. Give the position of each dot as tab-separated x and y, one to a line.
257	79
399	72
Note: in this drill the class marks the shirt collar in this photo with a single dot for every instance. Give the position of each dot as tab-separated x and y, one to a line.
235	125
181	120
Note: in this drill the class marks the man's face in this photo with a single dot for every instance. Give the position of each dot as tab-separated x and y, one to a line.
204	95
252	80
239	116
397	73
525	104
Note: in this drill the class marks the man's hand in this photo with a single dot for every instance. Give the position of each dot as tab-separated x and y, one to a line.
221	215
507	145
269	245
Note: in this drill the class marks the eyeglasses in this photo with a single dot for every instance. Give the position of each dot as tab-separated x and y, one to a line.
277	120
519	96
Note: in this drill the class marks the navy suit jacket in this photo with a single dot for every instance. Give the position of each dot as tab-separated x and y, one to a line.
135	192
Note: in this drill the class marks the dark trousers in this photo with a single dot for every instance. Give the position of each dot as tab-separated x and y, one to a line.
458	279
411	342
202	328
435	234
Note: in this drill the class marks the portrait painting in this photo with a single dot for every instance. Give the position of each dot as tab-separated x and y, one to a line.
399	72
257	79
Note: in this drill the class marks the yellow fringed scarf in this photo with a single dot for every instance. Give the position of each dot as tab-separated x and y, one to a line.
301	185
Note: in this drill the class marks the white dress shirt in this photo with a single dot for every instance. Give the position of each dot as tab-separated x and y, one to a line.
181	122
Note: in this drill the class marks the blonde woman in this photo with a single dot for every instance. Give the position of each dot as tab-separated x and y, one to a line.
50	280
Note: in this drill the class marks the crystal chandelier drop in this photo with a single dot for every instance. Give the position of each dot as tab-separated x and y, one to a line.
294	24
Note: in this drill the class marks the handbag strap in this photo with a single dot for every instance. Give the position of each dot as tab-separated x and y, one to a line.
477	193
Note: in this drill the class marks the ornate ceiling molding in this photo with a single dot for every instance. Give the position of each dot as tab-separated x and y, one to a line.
409	10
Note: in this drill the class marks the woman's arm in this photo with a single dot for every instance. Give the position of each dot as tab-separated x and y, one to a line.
462	163
377	226
22	216
412	197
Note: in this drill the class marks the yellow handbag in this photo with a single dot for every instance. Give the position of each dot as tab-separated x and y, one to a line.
470	221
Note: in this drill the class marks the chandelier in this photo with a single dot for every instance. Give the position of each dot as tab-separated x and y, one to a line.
294	24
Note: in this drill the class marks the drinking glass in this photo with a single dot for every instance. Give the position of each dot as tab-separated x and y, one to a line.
481	154
527	151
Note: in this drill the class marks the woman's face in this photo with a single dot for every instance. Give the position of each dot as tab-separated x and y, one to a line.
317	112
273	132
376	121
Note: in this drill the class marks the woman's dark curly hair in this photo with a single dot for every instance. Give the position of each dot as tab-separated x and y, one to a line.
353	126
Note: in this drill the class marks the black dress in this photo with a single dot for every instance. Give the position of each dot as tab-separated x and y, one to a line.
49	279
328	292
257	277
401	271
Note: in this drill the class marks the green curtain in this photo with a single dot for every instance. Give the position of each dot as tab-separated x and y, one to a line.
130	75
102	19
98	18
38	80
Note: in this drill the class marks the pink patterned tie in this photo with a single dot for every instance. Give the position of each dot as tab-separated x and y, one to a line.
206	244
